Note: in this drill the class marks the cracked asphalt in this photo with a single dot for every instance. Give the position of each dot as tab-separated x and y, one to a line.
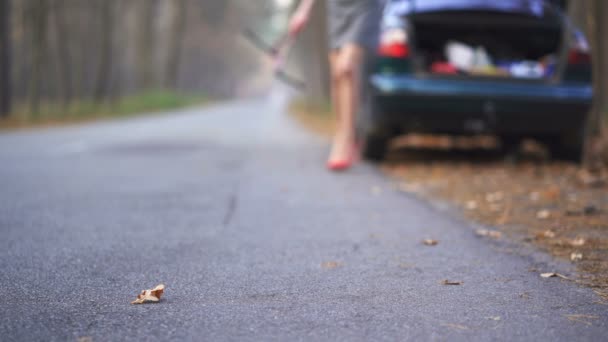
230	207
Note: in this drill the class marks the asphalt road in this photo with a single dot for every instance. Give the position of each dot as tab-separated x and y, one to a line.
231	207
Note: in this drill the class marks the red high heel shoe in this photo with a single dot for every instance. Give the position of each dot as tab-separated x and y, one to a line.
345	164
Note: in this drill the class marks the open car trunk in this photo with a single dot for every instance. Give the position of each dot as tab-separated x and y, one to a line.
487	44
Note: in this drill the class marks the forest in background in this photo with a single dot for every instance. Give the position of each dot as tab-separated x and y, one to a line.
63	53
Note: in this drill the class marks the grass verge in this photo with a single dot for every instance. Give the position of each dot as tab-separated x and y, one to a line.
52	114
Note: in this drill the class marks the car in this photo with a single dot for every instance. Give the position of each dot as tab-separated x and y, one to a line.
511	68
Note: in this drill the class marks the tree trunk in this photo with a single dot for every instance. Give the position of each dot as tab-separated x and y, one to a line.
5	58
38	11
105	63
178	30
64	57
145	61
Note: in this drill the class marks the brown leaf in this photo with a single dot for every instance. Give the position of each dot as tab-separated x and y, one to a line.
547	234
578	242
455	326
554	275
576	256
543	215
330	265
488	233
450	282
150	296
585	319
430	242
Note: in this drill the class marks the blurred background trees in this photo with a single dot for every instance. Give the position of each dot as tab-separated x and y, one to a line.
66	52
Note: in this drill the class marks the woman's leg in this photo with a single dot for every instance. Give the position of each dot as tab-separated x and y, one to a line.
345	67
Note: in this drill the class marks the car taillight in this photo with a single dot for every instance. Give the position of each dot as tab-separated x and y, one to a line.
579	52
393	43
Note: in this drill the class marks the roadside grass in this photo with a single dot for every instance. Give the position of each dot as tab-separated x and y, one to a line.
557	207
54	114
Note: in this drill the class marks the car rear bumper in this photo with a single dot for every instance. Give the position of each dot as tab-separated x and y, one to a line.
471	106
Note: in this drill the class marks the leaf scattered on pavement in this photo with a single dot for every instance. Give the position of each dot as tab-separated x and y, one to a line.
543	215
576	256
451	282
554	275
330	265
488	233
494	318
471	205
430	242
585	319
455	326
150	296
547	234
578	242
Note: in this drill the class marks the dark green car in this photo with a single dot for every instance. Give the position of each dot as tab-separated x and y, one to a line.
513	68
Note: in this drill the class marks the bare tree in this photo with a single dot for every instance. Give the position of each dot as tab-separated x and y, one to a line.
5	58
178	30
64	56
145	64
38	15
106	50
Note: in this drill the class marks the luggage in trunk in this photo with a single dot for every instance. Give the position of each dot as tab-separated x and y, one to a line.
477	43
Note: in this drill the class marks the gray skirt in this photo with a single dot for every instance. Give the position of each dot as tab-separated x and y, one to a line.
354	22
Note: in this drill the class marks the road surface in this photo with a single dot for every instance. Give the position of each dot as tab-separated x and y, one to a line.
231	208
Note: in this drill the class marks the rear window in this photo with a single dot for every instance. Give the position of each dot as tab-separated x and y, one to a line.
529	7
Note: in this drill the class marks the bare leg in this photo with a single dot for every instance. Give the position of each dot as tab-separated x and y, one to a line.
345	84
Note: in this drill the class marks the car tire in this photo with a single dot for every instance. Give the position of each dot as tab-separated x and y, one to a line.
569	146
375	147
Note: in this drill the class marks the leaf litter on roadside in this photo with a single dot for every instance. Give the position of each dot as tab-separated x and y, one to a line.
330	265
430	242
451	282
554	275
488	233
150	296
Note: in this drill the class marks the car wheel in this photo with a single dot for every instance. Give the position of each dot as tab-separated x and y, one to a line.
375	147
569	146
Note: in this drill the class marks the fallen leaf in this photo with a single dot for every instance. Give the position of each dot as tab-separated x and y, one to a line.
578	242
543	214
585	319
547	234
576	256
150	296
85	339
455	326
449	282
494	318
471	205
554	275
430	242
488	233
495	197
330	265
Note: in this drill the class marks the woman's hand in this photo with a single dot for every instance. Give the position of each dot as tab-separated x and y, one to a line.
298	22
300	18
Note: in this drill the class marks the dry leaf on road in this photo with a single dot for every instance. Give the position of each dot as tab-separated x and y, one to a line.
543	215
488	233
450	282
585	319
547	234
554	275
430	242
330	265
576	256
150	296
578	242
